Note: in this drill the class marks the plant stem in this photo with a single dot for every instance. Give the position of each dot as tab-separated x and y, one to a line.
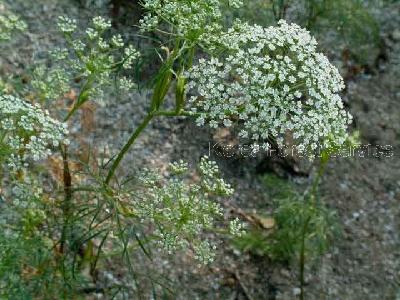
136	134
160	91
314	196
303	257
314	190
126	147
67	178
82	98
174	113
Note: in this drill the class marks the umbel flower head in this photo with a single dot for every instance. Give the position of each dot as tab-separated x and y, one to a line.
94	56
9	23
189	18
273	84
180	211
26	132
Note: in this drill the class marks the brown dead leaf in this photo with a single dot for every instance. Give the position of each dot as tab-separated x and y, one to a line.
255	219
264	222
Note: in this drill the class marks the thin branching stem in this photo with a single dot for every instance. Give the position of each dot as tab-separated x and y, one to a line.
137	133
67	180
126	147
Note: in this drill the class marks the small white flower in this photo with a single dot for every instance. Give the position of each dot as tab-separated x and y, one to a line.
9	23
191	19
236	3
92	33
179	167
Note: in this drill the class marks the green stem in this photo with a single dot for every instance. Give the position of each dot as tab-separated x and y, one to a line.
314	190
192	53
126	147
136	134
82	98
174	113
159	94
303	257
314	197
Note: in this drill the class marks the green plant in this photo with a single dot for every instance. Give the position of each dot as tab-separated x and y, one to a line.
351	22
95	213
10	24
28	257
295	219
304	227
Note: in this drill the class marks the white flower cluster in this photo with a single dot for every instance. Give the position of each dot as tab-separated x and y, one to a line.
236	228
66	24
22	210
178	167
210	178
182	212
272	83
26	194
8	24
50	84
189	18
236	3
91	56
27	132
101	24
126	84
131	55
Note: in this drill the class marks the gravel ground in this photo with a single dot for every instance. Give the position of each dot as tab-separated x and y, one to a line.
363	264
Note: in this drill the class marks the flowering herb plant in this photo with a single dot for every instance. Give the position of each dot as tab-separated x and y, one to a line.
270	82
